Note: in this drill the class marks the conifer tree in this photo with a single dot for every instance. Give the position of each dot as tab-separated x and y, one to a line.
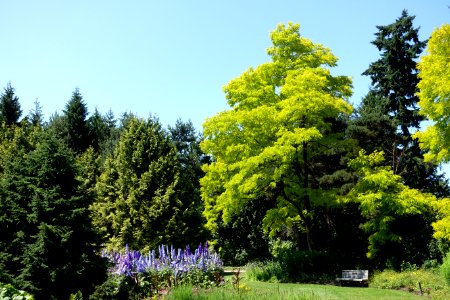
47	245
138	199
191	158
75	114
389	112
10	111
36	116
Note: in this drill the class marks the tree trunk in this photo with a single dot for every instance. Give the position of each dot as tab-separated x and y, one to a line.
306	201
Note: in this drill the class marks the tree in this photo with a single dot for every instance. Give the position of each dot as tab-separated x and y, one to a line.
47	246
10	111
36	116
391	210
191	158
98	130
75	114
283	116
138	202
389	112
434	96
394	75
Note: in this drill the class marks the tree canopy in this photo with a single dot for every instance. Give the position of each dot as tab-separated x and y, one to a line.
435	96
281	117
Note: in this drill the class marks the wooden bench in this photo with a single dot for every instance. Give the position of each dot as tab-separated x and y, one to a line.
357	276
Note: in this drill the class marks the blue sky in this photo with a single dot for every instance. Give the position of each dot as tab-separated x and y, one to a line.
172	58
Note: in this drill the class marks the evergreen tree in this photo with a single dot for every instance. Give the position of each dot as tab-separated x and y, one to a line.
36	116
138	202
10	111
191	158
98	130
389	112
49	247
75	115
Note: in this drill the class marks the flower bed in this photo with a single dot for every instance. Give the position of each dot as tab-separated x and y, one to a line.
148	274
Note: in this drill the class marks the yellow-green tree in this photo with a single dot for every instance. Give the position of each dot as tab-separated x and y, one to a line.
391	210
283	116
434	95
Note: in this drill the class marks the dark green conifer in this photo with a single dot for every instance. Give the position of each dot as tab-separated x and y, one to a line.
10	111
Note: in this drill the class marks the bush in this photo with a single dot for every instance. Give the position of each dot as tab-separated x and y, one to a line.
270	271
431	281
445	268
291	265
7	291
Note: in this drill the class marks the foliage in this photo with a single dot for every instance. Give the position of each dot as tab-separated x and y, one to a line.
282	122
431	281
442	225
445	268
269	271
47	240
389	111
10	111
9	292
36	116
242	239
383	200
394	75
138	199
434	96
75	114
146	275
292	265
191	158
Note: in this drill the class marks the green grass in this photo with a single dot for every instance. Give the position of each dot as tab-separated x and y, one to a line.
265	291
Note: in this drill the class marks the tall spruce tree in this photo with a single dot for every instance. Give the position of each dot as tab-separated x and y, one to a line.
36	116
191	158
47	245
389	112
10	111
385	121
75	114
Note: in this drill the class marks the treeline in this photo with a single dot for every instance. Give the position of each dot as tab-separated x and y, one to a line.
78	183
300	176
290	173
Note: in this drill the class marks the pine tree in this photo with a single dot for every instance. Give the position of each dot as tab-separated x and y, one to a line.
75	114
36	116
49	247
191	158
389	112
10	111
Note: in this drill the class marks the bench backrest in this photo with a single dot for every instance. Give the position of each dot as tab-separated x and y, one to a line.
355	274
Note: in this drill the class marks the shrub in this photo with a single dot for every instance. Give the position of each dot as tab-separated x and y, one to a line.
445	268
270	271
7	291
430	281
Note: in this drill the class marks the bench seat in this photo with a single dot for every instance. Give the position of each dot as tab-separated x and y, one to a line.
354	276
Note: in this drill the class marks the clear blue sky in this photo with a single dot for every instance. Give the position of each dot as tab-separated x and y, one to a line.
172	58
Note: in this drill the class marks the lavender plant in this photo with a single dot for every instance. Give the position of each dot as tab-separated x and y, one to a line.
167	267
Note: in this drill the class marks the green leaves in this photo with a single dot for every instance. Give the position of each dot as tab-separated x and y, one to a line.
435	96
138	191
383	198
282	113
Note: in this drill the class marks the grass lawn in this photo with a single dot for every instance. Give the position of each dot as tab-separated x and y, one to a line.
315	291
285	291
